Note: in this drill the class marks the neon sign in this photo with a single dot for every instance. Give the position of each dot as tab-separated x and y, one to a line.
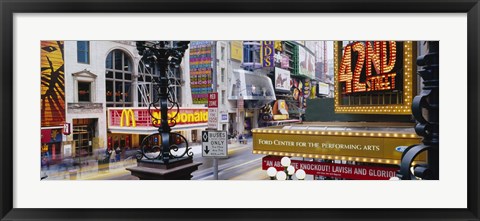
374	77
381	55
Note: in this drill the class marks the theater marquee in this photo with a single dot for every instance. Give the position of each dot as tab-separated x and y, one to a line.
374	77
367	146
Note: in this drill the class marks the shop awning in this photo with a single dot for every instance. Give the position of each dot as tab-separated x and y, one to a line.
251	86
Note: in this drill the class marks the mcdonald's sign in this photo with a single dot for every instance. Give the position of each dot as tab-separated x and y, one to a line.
139	117
129	116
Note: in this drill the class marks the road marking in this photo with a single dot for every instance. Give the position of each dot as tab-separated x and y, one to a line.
233	150
109	175
251	175
239	165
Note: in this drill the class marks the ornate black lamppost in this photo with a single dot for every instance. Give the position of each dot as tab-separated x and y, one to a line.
163	55
425	108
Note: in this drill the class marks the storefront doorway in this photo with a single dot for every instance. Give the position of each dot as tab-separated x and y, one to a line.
83	135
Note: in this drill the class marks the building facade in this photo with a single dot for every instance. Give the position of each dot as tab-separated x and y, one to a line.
103	98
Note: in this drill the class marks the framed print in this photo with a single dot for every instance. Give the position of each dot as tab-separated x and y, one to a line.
160	110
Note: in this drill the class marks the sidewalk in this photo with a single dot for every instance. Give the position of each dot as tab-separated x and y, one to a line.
92	169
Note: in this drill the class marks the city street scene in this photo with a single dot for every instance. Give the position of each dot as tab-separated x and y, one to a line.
239	110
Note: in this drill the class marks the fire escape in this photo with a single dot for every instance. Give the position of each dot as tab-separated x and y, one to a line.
145	87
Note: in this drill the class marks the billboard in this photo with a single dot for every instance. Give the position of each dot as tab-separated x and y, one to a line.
306	63
200	70
323	89
282	79
236	50
52	84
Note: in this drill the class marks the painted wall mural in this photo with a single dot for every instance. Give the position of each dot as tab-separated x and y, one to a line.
52	83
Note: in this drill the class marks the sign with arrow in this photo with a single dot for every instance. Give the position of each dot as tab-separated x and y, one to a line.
214	144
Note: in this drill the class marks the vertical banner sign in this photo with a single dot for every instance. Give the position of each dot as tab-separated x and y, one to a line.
200	70
52	84
212	110
268	53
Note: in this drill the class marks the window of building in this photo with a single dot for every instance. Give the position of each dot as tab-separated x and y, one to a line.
223	97
223	75
83	52
118	79
84	86
222	52
251	54
146	77
84	89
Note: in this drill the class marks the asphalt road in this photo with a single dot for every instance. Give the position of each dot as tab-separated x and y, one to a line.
241	164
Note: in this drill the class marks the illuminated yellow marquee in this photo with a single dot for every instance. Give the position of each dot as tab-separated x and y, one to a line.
373	72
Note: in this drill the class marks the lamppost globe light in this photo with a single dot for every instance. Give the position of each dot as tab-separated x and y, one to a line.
300	174
285	161
281	175
271	171
290	170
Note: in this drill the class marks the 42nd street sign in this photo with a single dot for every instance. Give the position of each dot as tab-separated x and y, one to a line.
214	144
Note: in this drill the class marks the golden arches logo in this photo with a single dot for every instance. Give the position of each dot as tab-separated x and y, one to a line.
129	116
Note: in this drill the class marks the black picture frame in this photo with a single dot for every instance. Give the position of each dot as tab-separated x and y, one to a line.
9	7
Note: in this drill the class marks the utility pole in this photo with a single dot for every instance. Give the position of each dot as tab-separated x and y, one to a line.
214	89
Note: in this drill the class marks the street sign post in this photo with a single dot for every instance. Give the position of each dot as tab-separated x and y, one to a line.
214	144
212	118
213	110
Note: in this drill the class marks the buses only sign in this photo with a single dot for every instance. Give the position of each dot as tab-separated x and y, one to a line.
214	144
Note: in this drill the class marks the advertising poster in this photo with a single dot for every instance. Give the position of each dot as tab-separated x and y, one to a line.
306	63
236	50
282	79
285	61
52	83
